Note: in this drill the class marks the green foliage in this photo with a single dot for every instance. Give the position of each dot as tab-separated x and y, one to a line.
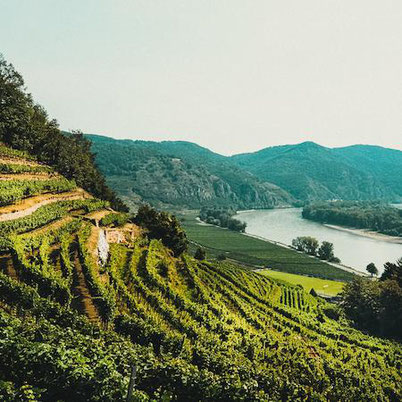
253	251
195	331
14	190
43	216
25	126
191	176
104	294
20	168
222	217
372	269
114	219
393	271
365	215
326	251
309	245
164	226
311	172
306	244
375	305
200	254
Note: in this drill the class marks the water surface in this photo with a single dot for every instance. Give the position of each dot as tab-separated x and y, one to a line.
355	251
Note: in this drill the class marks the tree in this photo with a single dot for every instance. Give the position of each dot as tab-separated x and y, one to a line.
372	269
374	305
162	226
200	254
306	244
326	251
360	301
25	125
393	271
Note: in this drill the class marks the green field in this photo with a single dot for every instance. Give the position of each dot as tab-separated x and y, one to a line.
321	286
256	252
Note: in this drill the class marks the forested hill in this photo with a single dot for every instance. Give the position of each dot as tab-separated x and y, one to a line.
182	174
312	172
193	176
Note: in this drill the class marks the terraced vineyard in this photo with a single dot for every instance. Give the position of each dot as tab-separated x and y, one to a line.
71	328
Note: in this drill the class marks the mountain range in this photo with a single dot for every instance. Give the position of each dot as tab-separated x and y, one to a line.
192	176
182	174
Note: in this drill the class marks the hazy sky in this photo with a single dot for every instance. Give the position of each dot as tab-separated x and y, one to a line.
234	75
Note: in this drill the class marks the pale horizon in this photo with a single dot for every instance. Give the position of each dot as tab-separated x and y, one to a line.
231	76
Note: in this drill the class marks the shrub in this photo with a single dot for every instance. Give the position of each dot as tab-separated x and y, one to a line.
162	226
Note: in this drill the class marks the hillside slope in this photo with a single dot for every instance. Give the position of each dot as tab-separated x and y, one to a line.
190	176
71	327
383	163
312	172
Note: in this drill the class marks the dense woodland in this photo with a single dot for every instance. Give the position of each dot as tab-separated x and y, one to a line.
364	215
191	176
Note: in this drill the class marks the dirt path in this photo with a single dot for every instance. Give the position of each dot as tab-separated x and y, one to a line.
6	160
82	300
98	215
30	205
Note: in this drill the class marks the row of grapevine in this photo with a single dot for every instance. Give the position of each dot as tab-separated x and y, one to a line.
43	216
14	190
196	330
21	168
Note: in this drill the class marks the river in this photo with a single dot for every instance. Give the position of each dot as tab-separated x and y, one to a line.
354	250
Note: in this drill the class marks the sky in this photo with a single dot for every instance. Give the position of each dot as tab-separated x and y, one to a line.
234	76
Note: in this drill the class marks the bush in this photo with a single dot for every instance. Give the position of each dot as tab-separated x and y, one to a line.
222	217
332	312
162	226
200	254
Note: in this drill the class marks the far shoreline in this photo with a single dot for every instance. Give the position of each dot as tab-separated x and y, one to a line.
370	234
366	233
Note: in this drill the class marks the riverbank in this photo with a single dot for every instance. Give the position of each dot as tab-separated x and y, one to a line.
256	252
366	233
334	264
355	251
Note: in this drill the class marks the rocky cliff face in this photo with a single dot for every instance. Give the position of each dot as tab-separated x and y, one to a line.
139	173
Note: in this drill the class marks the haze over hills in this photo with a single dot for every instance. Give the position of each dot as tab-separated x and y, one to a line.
189	175
193	176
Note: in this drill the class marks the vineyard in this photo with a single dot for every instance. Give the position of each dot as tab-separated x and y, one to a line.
71	328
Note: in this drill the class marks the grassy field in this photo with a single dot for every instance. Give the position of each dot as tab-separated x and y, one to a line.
257	252
321	286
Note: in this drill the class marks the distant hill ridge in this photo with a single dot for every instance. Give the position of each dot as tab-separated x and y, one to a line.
182	174
312	172
192	176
